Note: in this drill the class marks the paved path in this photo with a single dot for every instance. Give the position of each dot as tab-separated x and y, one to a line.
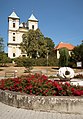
8	112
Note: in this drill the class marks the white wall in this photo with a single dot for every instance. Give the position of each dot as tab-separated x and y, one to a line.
30	23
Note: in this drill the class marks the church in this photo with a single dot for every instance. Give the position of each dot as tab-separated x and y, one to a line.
15	32
17	29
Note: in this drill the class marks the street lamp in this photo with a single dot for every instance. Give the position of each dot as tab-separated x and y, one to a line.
47	58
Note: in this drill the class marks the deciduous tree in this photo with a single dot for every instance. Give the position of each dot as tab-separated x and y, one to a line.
1	44
77	54
34	44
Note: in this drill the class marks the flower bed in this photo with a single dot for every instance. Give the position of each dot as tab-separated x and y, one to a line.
40	85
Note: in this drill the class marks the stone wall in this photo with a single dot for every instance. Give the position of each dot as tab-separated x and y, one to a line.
68	104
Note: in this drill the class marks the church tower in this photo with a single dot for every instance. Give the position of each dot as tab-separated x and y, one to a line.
13	21
32	22
16	31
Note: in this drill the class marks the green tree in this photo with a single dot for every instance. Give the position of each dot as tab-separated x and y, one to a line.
1	50
33	44
3	56
4	59
64	56
1	44
50	45
77	54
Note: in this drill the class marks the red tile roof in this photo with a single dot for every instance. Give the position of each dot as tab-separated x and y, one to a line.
64	45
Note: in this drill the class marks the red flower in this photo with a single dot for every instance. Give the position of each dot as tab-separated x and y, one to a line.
67	83
40	85
59	87
77	93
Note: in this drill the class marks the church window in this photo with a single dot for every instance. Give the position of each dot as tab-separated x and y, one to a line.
14	54
13	25
13	38
32	26
13	33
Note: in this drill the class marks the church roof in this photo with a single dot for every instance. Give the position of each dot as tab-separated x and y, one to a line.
13	15
32	18
64	45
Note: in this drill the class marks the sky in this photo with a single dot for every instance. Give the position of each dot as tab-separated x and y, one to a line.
60	20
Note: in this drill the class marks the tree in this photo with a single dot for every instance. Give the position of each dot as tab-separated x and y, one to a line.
50	44
64	56
3	56
4	59
77	54
1	50
33	44
1	44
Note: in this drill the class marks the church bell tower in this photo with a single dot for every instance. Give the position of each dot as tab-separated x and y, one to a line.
32	22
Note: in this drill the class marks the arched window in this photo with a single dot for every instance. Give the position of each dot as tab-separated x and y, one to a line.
14	54
32	26
13	25
13	38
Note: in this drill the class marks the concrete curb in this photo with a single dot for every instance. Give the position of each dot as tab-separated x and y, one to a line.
69	104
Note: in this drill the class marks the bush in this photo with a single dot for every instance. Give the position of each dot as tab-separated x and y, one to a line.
53	61
19	61
27	62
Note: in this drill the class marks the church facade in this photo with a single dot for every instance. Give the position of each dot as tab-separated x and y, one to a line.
15	32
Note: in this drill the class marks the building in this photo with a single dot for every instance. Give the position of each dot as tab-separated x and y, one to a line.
70	47
15	32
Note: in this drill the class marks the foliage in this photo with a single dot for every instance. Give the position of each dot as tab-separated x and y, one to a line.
50	44
77	54
40	85
34	44
1	45
52	61
28	65
4	59
64	56
23	61
3	56
27	62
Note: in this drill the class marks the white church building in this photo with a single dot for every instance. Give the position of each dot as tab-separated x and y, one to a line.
15	32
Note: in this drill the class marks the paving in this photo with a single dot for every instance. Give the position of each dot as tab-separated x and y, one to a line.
9	112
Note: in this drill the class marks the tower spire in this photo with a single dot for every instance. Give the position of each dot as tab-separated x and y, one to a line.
32	11
13	9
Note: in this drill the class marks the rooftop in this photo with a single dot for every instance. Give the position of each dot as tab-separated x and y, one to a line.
32	17
13	15
64	45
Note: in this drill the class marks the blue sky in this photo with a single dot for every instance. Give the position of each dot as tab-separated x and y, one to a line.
60	20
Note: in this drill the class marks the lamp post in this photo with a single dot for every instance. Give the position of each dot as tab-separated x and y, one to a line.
47	58
47	61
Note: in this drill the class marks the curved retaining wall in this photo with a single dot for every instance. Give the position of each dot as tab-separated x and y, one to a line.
44	103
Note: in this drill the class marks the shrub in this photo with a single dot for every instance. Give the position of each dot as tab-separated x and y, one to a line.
19	61
23	61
